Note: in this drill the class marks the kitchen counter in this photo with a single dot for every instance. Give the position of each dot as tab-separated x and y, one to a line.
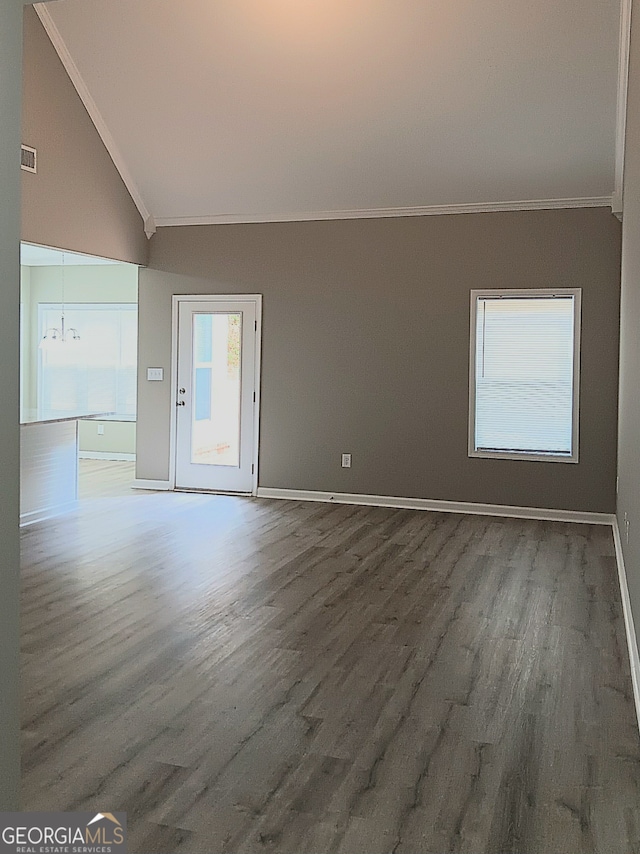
41	416
49	463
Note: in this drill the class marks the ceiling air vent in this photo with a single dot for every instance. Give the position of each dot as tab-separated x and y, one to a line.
28	158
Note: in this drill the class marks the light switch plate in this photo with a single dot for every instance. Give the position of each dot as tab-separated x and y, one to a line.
155	374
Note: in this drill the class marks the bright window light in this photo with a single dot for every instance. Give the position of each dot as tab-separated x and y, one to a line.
98	373
524	374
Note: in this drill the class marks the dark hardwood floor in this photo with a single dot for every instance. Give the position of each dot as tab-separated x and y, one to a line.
244	675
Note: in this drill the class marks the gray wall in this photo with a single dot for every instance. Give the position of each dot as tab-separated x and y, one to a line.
366	347
77	200
629	423
10	73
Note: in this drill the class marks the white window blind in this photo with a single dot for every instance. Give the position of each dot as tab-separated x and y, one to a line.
98	374
524	373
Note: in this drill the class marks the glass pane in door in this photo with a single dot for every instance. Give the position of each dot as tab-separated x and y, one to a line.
215	426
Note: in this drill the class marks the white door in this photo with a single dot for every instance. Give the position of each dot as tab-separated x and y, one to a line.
216	394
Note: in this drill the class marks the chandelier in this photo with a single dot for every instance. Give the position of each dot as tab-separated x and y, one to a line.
56	335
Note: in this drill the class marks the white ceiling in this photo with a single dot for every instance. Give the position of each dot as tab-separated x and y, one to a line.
245	110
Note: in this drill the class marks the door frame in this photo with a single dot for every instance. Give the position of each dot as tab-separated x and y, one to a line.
176	299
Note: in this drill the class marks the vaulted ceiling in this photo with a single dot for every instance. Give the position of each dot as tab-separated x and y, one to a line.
253	110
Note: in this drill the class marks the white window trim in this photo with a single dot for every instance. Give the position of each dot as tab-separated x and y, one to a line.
524	293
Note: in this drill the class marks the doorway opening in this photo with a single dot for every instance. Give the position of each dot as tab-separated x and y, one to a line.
78	376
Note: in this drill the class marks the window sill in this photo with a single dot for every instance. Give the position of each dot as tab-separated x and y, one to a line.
524	455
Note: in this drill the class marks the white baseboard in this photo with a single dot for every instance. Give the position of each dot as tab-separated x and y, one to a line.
105	455
438	506
163	485
632	639
46	513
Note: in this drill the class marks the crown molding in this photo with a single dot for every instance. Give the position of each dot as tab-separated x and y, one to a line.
621	108
94	113
376	213
150	226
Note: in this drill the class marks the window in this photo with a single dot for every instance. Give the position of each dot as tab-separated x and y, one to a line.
97	374
524	376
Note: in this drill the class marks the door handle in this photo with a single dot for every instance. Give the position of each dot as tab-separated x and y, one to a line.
180	403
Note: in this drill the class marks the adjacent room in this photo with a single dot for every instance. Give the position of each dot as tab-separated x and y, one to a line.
329	314
78	369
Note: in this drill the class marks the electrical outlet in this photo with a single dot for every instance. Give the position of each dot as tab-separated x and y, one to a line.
100	429
346	461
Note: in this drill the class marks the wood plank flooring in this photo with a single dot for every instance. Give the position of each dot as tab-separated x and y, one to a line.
105	478
244	675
